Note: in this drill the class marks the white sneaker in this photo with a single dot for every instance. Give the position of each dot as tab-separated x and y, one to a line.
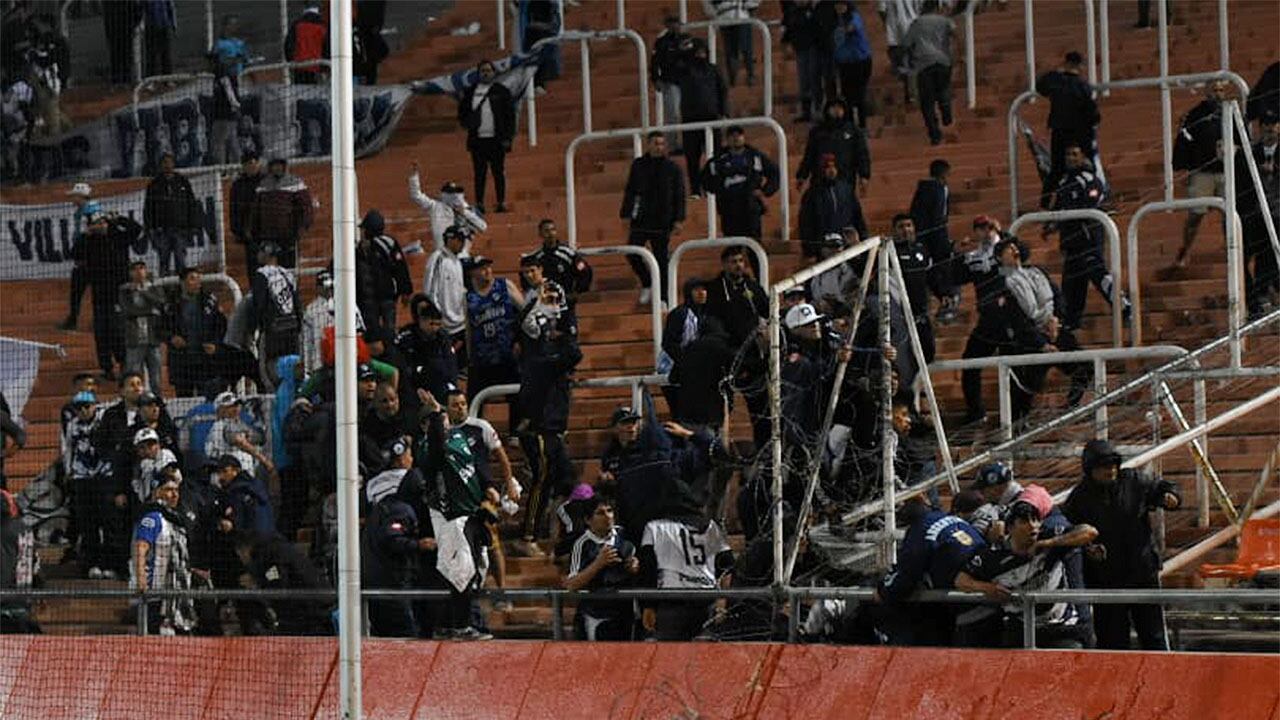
108	574
645	296
95	573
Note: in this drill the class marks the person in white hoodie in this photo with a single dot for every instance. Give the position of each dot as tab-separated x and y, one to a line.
444	280
449	210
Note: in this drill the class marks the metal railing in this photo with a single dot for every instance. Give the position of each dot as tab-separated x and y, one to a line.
781	597
655	297
56	349
632	381
1113	256
673	263
766	58
570	174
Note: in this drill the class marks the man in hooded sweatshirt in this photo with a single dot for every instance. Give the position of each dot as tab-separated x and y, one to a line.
653	209
443	282
828	206
1118	503
838	135
703	96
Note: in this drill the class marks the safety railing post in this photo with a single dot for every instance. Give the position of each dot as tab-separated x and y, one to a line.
1202	482
502	24
683	9
135	45
1224	36
1235	253
1104	29
793	617
1029	32
530	95
585	50
1090	41
775	439
622	14
208	25
1012	126
1028	622
142	614
557	616
888	437
1006	402
673	262
970	56
1166	101
1100	389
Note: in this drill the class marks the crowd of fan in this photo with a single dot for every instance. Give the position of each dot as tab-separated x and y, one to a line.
215	499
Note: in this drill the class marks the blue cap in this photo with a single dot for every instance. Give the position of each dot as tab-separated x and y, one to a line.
996	473
84	397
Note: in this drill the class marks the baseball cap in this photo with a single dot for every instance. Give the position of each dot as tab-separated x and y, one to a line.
396	448
982	221
84	397
373	222
148	398
833	239
366	372
1022	509
225	399
992	474
801	315
1038	497
226	461
81	188
622	415
145	435
480	261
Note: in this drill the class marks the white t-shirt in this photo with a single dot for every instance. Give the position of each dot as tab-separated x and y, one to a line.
480	100
219	443
686	557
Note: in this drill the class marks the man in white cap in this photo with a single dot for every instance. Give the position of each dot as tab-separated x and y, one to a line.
229	435
80	195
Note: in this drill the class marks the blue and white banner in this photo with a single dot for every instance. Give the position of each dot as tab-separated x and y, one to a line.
514	71
36	240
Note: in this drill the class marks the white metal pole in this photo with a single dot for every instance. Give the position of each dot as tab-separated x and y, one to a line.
208	24
1006	402
1090	41
1104	28
888	439
502	25
1166	101
622	15
1100	430
708	139
775	421
970	72
221	237
1224	35
137	53
1202	486
344	248
584	46
530	95
684	11
1029	32
1235	253
284	31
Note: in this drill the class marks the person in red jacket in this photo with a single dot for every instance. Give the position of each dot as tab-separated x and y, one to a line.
282	211
308	39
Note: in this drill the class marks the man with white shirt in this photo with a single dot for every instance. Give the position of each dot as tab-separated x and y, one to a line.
487	112
449	209
229	435
602	559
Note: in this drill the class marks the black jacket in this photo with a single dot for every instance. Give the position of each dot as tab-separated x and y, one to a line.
654	197
920	275
430	358
703	93
1079	189
829	206
500	104
382	274
843	139
670	53
930	212
698	372
1071	104
809	25
171	204
212	325
391	555
1119	511
1264	96
565	266
105	258
1196	146
243	191
739	305
545	366
734	177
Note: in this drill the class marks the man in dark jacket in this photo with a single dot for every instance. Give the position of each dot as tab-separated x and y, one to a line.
196	328
828	206
282	211
488	114
382	275
836	135
670	52
652	209
171	214
921	279
809	28
735	298
105	253
1198	150
275	311
275	563
549	355
1262	280
1073	117
703	96
427	349
683	326
931	211
243	190
396	540
740	177
990	336
560	263
1117	502
1081	240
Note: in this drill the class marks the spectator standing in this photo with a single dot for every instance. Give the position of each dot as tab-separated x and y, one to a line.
989	336
196	327
828	206
282	211
106	261
451	209
653	206
1264	96
274	311
670	53
443	282
245	503
427	348
395	540
602	559
161	21
243	192
920	277
549	354
80	194
703	96
698	371
369	17
1198	150
382	275
541	19
1262	281
493	316
927	47
995	483
141	312
897	16
87	472
12	437
112	436
118	21
682	554
161	561
230	435
931	213
171	213
229	48
683	326
836	135
853	60
315	320
1081	240
307	39
487	112
1117	502
735	298
1073	118
560	263
740	177
737	38
80	382
226	60
807	26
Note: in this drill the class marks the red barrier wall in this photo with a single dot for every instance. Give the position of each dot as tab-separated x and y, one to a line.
50	678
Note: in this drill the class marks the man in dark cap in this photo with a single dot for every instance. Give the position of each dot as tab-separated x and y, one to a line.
1117	502
382	275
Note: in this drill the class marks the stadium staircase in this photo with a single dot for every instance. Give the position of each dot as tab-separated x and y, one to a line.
1187	309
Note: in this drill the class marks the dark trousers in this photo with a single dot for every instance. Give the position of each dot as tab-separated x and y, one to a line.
550	472
658	241
983	342
1027	381
392	618
480	377
171	249
924	328
79	283
488	154
100	523
935	89
294	493
158	58
1080	267
812	66
118	23
1059	140
680	621
1262	276
1111	624
107	335
738	49
854	78
1144	13
250	255
695	143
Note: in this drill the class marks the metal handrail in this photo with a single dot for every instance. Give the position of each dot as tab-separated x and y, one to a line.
571	195
632	381
57	349
655	297
1113	253
673	263
584	37
767	59
152	80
